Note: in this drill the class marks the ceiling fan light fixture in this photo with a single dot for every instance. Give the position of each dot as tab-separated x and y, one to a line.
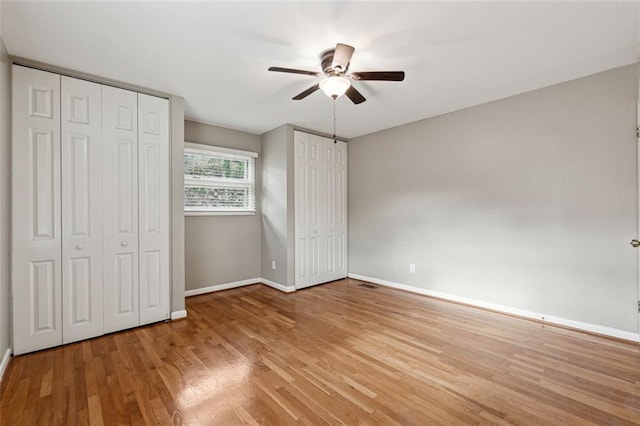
335	63
334	86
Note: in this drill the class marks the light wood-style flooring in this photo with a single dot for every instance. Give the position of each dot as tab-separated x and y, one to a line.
332	354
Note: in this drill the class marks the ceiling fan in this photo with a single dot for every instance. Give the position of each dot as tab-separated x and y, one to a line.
336	82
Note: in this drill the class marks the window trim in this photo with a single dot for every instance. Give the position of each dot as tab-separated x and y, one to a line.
197	148
192	146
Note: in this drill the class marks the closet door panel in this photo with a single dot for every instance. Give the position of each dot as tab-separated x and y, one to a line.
342	227
302	232
336	224
310	247
315	192
153	151
120	208
329	225
81	209
36	212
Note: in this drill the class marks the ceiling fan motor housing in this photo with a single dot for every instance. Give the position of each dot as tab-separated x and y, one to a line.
326	59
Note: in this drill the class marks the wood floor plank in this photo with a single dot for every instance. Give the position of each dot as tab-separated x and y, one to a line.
331	354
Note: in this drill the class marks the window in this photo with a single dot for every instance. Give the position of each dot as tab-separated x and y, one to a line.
218	180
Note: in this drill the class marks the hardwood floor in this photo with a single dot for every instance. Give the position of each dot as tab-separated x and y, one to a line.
331	354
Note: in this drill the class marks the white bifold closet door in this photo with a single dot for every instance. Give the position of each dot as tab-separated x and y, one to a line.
153	150
320	209
136	208
81	210
36	258
120	198
90	209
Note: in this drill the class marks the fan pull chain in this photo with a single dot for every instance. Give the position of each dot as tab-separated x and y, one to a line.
334	121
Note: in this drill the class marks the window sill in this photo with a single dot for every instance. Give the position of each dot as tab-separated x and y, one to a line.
227	213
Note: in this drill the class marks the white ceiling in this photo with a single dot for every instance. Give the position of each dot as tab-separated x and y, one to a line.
216	54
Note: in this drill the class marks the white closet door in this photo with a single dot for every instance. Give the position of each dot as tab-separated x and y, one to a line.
302	228
36	254
341	211
310	209
153	152
81	210
316	193
120	208
334	227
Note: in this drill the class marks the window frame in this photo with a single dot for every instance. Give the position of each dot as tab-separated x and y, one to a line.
221	152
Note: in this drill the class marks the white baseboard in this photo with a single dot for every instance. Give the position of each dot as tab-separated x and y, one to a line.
219	287
5	362
178	314
591	328
278	286
235	284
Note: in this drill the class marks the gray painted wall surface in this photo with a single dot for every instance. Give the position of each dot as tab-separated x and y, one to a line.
291	203
274	201
222	249
528	202
177	203
5	198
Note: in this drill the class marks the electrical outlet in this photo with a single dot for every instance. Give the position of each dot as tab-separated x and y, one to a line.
412	268
273	264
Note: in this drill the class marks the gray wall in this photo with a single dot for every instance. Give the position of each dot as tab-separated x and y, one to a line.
5	199
291	223
222	249
274	201
528	202
177	204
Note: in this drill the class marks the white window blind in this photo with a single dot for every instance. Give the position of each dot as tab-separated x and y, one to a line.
218	180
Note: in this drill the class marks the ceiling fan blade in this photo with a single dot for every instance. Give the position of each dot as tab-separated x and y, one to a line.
355	96
379	75
294	71
306	93
342	56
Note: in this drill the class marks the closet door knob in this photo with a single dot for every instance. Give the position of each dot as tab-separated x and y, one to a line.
124	244
79	246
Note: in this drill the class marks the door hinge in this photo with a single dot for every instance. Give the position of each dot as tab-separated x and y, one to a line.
638	132
639	306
